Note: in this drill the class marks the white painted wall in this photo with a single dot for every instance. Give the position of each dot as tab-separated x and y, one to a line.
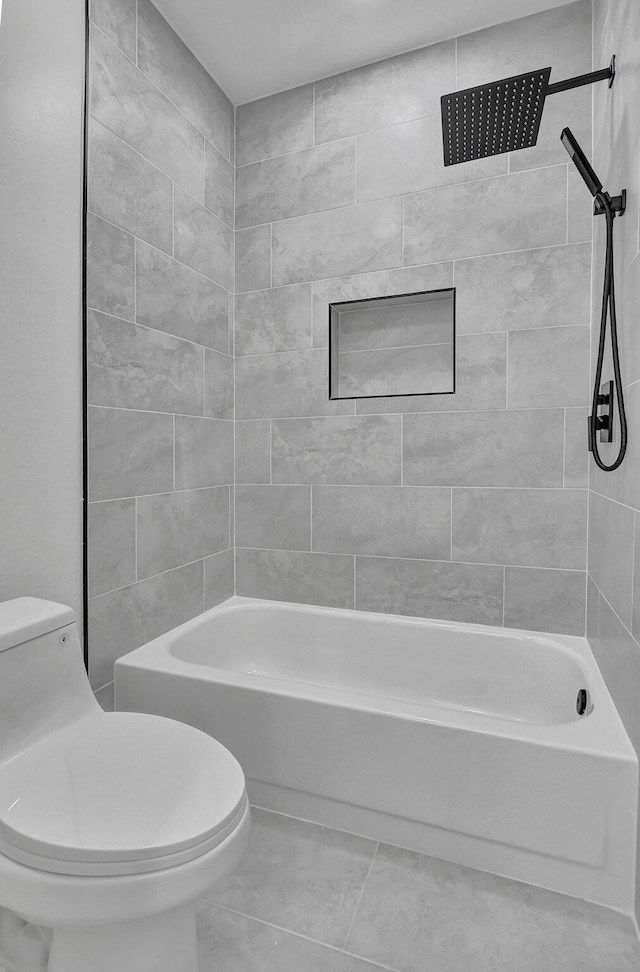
41	96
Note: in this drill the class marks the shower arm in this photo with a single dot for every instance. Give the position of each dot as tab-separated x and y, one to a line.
605	74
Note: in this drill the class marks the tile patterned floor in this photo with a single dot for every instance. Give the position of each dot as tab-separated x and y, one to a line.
310	899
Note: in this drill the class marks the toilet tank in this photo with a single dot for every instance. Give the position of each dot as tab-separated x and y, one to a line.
43	683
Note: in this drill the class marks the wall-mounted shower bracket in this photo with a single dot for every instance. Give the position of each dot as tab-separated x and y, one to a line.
606	74
604	421
618	204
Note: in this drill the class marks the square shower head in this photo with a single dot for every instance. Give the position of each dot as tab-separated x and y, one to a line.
493	118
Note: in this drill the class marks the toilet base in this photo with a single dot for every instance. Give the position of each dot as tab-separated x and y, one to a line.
160	943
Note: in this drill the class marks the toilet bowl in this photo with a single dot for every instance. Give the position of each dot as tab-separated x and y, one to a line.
112	825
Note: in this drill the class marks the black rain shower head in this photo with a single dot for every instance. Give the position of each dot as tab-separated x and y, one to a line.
503	116
581	162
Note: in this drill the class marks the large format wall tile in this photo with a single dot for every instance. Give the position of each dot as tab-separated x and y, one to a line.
127	190
346	450
204	452
125	619
408	158
117	18
219	184
386	93
387	521
545	600
273	320
202	240
310	181
290	383
134	367
275	125
525	289
131	453
293	575
514	212
111	545
253	451
611	552
390	371
132	107
253	258
520	527
178	528
170	64
497	448
576	454
548	366
278	517
111	283
428	589
349	240
174	298
218	385
218	578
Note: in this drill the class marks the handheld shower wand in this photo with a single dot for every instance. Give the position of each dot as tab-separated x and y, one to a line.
603	396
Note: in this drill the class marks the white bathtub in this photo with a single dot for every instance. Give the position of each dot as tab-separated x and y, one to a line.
460	741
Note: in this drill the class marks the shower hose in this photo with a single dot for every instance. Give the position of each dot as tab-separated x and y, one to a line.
608	311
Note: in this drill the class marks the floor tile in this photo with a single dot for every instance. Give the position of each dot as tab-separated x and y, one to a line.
419	914
299	876
228	942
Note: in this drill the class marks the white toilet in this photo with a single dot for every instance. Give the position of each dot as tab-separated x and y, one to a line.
112	825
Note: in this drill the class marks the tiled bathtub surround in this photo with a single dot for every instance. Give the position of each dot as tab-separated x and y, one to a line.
613	619
160	365
470	507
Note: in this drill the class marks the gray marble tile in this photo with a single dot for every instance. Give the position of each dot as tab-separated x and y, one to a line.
111	284
105	697
178	528
117	18
274	517
430	589
387	521
169	63
133	108
419	913
627	477
497	448
397	371
240	944
173	298
127	190
593	597
204	452
548	366
274	125
579	208
635	618
123	620
513	212
202	240
309	181
379	283
545	600
611	553
314	889
134	367
130	453
629	297
253	451
576	453
273	320
219	385
111	545
408	158
520	527
527	289
294	575
349	240
388	92
350	450
290	383
219	184
481	366
218	578
618	658
253	258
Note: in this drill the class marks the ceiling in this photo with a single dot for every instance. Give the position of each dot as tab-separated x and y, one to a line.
257	47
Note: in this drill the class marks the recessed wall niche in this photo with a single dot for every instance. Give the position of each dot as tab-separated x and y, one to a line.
388	346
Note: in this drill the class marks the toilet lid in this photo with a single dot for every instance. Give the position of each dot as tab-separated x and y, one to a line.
115	789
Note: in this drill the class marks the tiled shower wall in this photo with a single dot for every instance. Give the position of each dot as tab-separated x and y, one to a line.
471	507
613	618
160	364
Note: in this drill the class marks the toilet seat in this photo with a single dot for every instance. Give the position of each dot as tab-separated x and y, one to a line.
119	793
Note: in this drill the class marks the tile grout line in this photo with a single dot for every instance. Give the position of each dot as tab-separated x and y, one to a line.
359	902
